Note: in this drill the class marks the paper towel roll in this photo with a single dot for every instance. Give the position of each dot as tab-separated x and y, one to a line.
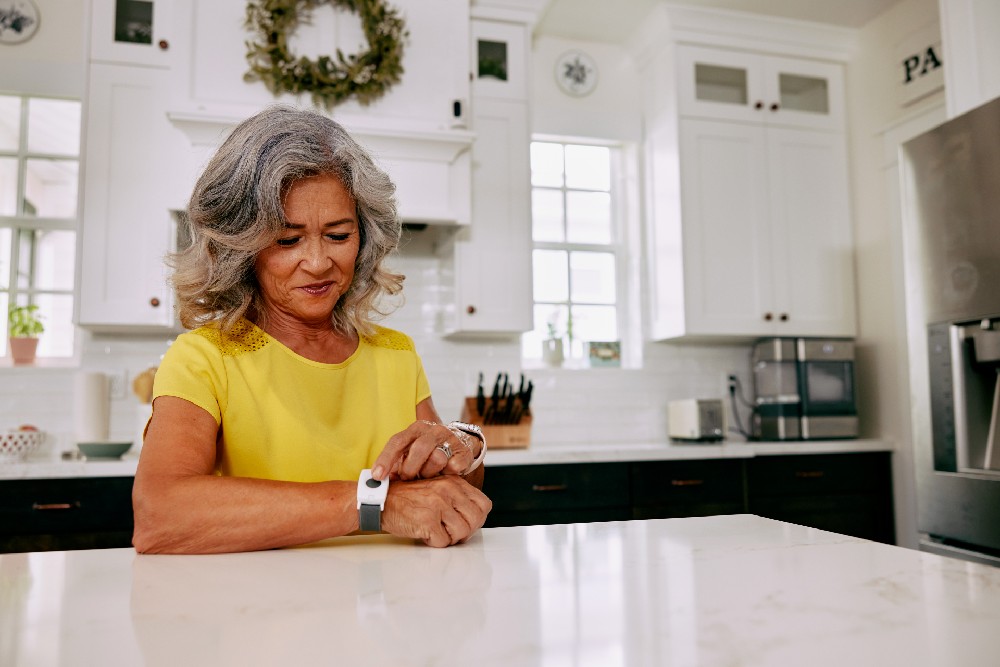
91	407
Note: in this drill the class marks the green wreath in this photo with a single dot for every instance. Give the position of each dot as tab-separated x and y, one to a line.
365	76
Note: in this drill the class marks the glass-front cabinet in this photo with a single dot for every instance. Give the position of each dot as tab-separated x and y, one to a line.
132	32
752	87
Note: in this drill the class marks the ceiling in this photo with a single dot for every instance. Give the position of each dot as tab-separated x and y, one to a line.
613	22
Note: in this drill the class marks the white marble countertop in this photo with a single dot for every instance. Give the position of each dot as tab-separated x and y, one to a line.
589	453
726	590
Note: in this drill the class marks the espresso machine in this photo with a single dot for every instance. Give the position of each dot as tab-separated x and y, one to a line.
804	389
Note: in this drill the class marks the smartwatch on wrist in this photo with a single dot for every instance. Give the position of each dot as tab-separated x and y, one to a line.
476	432
371	501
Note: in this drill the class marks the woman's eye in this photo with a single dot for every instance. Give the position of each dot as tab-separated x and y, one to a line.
338	237
288	242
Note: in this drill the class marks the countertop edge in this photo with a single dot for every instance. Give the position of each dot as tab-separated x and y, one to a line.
536	455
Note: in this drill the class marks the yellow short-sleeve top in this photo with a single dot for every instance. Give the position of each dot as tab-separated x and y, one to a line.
284	417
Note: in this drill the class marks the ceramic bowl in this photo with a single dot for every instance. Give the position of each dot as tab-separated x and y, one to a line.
15	445
103	450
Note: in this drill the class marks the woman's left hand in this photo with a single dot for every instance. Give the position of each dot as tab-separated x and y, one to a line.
422	451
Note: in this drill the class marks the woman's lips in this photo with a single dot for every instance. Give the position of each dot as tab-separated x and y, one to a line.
317	289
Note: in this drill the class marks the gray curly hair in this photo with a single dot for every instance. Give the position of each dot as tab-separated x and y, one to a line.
236	211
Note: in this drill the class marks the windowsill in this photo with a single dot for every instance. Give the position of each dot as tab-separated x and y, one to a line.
535	365
45	364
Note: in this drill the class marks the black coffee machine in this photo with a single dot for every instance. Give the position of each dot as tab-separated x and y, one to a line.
804	389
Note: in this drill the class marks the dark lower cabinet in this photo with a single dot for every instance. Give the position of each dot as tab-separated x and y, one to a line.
849	494
61	514
667	489
546	494
843	493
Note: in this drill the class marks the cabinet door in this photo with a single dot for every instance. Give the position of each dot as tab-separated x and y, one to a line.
493	255
715	83
803	93
811	233
727	246
499	60
127	228
131	32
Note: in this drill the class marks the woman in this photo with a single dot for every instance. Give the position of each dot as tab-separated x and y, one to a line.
265	414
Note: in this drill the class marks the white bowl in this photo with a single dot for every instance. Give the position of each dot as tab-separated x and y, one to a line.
15	445
103	450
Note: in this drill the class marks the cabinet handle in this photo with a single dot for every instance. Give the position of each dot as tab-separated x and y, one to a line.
43	507
768	317
163	44
809	474
471	310
686	482
758	105
783	317
775	106
154	302
549	487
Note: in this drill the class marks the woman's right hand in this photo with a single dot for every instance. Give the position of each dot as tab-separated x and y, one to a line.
440	512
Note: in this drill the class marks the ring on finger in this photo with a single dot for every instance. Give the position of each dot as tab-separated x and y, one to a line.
445	449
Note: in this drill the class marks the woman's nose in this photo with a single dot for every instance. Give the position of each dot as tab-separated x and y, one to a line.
315	256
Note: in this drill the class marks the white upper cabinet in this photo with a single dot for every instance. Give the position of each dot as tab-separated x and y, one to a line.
127	228
132	32
744	86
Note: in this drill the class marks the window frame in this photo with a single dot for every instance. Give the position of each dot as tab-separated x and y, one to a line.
24	226
621	247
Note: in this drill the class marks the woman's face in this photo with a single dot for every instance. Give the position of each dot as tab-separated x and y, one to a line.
304	274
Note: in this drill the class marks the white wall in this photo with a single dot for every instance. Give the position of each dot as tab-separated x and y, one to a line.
874	108
51	62
574	407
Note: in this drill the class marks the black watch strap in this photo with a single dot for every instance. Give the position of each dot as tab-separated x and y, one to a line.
370	518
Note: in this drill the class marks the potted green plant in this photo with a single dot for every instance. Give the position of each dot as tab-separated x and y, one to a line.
24	325
552	345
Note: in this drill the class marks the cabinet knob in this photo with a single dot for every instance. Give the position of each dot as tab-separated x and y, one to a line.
783	317
768	317
775	106
471	310
163	44
758	105
154	302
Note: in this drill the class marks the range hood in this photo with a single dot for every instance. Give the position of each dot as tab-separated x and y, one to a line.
431	167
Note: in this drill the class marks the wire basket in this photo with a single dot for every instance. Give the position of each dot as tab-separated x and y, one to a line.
15	445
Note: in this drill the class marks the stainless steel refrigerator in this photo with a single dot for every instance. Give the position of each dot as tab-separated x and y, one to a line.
951	188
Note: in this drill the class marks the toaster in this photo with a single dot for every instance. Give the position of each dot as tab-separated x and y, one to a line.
696	419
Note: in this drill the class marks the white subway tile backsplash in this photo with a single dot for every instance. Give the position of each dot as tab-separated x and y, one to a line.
569	406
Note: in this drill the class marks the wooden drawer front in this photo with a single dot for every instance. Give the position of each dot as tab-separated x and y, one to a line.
818	474
687	483
556	487
54	506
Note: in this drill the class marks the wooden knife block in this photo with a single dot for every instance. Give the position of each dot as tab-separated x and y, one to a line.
498	436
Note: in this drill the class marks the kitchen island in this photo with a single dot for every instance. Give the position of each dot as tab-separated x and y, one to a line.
724	590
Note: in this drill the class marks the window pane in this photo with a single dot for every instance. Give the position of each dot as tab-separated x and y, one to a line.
57	313
588	167
10	122
588	217
547	215
54	259
5	239
593	277
50	188
53	127
546	164
593	323
551	276
8	186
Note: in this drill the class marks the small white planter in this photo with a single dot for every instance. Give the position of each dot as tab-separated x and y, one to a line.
552	351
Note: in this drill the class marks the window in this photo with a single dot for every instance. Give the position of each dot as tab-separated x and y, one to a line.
579	249
39	177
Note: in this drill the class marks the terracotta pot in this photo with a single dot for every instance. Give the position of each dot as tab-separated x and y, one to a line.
23	350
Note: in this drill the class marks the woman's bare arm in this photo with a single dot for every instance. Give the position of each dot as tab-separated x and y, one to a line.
181	506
